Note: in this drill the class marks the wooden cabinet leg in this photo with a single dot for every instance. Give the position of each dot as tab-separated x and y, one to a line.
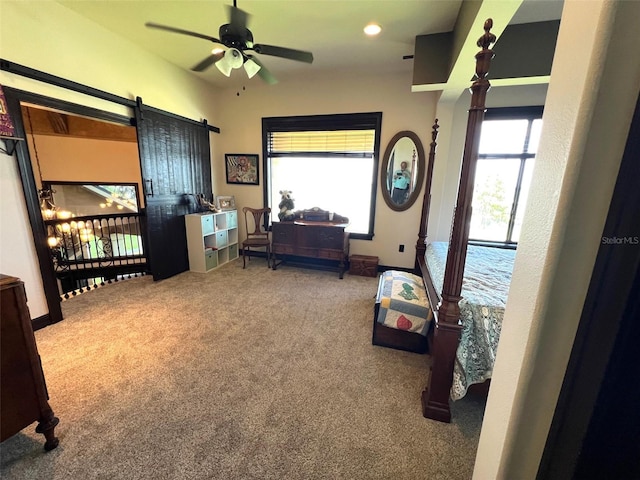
47	426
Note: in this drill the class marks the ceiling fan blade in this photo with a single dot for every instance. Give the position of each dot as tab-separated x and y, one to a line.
263	73
184	32
238	20
283	52
207	62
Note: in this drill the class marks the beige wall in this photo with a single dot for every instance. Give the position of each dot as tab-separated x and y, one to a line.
49	37
240	118
17	250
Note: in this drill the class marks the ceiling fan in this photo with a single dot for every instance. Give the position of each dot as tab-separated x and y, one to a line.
238	40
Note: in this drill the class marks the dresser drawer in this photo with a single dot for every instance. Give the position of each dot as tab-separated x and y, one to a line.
283	248
331	254
321	237
283	233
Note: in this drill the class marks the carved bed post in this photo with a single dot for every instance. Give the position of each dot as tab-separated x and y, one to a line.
421	245
435	398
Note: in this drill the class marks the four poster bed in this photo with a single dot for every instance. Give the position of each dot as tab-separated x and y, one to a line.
467	314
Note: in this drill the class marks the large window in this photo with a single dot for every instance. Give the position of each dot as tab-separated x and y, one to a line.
326	161
508	145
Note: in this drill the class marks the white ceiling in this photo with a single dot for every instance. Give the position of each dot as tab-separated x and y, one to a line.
330	29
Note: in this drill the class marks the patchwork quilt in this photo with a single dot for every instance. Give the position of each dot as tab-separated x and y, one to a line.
403	302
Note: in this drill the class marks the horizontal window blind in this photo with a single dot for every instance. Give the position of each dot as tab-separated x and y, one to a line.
335	141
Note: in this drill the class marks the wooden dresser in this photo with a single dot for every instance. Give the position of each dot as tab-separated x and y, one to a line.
23	392
325	240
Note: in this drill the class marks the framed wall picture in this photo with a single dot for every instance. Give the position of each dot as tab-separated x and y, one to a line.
242	168
224	202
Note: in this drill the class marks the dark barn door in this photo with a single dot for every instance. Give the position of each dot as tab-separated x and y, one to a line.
176	163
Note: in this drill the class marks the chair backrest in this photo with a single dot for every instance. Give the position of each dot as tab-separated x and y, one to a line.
253	222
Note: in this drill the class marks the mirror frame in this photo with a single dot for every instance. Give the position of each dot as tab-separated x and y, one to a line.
385	167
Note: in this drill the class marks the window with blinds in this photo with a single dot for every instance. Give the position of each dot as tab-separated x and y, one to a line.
326	161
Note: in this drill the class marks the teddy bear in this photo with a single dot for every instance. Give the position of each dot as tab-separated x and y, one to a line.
286	206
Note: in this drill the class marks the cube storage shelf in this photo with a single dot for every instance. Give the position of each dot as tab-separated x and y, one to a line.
212	239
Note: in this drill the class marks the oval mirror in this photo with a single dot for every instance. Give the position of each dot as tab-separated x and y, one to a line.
402	171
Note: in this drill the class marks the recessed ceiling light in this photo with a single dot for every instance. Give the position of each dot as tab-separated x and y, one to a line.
372	29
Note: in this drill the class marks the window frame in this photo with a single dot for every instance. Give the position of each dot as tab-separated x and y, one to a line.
330	122
510	113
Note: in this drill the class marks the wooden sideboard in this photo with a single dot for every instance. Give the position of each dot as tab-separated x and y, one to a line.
23	392
324	240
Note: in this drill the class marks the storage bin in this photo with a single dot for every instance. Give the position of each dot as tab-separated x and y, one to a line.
363	265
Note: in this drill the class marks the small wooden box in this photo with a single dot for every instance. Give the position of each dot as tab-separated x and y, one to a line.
363	265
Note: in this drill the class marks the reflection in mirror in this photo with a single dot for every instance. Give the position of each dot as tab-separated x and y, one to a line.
402	169
81	199
401	172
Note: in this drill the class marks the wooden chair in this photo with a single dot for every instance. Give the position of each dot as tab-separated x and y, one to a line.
257	236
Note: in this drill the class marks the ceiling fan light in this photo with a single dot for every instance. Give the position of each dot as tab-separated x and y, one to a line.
234	57
224	67
251	68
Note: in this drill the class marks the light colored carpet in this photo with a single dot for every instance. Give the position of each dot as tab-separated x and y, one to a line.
236	374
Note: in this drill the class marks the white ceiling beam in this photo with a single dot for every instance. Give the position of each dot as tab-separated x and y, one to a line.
468	29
